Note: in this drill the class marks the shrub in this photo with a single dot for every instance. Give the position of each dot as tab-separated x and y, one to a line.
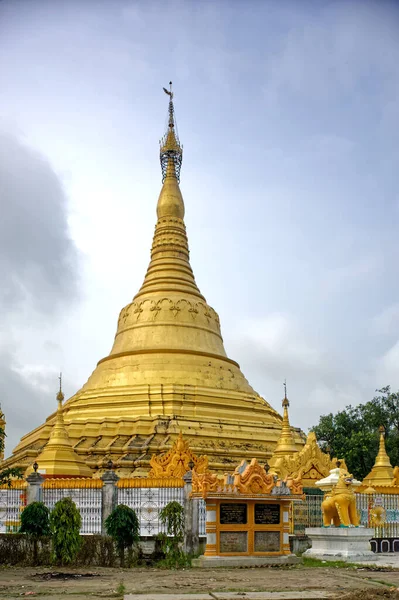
172	515
65	523
124	527
35	523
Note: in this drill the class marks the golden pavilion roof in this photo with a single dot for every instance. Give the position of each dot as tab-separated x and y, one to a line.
309	464
168	370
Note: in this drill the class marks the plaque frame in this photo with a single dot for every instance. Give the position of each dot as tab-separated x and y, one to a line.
251	527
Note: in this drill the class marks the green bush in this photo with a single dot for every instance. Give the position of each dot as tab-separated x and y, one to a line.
124	527
172	515
65	523
35	523
35	520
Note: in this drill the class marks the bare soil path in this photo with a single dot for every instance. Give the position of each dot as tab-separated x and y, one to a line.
79	584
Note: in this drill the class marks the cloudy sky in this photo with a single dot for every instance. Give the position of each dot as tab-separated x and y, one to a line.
288	113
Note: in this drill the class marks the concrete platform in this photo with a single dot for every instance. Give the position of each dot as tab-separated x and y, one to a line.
291	595
350	544
213	562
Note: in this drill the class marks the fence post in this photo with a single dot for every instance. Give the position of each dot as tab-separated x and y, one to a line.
109	498
191	517
34	489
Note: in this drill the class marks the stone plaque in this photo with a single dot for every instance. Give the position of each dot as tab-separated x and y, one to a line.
267	514
233	514
267	541
233	541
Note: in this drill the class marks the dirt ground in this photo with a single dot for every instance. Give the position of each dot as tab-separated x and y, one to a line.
102	583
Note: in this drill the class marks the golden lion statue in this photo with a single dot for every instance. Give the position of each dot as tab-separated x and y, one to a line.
339	505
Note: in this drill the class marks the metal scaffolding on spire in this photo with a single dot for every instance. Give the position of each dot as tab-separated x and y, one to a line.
171	149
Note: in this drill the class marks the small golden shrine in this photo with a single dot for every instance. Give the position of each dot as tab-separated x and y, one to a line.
247	512
382	478
309	464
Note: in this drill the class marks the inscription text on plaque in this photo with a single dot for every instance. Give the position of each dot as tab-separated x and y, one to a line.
267	514
233	541
267	541
233	513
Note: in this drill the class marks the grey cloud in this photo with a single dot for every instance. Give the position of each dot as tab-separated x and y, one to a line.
22	403
38	261
38	276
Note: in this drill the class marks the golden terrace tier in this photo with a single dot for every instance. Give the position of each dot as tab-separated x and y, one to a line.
167	371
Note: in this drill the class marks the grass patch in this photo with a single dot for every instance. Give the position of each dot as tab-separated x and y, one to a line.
310	562
121	589
381	582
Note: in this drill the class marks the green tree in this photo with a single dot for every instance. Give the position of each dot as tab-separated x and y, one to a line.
65	523
353	433
124	527
172	515
35	523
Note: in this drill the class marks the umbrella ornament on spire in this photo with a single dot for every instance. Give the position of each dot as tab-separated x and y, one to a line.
171	149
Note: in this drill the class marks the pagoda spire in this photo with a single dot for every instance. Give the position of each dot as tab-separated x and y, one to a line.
58	458
382	472
171	151
286	443
170	268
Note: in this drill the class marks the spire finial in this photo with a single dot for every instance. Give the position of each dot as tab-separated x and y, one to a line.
171	151
285	402
60	395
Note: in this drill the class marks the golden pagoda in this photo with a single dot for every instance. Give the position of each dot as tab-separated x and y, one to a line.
167	371
382	477
286	442
58	458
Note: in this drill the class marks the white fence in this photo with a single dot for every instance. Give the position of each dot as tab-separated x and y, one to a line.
147	503
87	500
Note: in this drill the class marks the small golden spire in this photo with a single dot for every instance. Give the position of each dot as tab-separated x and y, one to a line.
58	456
382	458
285	444
382	472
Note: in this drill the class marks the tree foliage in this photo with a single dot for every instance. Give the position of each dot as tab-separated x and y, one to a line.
124	527
65	523
172	515
35	520
353	433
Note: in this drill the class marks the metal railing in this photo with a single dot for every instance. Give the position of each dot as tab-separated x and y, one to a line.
12	503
